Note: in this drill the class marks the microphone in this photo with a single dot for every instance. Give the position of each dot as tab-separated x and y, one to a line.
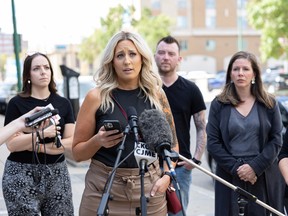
157	134
142	153
132	120
40	116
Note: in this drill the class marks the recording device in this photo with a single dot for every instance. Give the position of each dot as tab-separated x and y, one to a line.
132	120
58	142
142	152
40	116
112	125
157	134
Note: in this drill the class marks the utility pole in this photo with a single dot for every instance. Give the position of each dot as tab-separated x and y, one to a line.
16	47
240	24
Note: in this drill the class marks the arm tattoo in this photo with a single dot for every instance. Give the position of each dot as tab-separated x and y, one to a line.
201	138
167	111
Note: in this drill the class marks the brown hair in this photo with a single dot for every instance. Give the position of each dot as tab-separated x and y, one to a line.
26	89
229	93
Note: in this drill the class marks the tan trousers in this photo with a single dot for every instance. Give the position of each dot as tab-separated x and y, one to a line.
126	191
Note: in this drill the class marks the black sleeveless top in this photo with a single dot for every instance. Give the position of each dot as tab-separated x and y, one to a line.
125	98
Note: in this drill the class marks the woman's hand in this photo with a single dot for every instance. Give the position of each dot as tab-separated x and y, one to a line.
50	131
107	139
160	185
247	174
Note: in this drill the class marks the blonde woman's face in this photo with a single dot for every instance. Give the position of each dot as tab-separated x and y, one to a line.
127	61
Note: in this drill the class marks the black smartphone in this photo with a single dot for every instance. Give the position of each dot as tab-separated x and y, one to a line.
112	125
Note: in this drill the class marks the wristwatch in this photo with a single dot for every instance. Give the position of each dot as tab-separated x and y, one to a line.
198	162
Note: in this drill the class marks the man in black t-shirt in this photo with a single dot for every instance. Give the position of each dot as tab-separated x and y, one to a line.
185	100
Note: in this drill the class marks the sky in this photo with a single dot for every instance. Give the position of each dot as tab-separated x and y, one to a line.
45	23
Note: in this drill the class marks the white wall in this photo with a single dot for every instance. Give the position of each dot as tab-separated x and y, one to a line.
198	63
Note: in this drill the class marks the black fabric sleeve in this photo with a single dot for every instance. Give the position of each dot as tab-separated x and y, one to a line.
284	150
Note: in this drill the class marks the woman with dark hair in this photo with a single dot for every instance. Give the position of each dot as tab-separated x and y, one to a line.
244	137
36	178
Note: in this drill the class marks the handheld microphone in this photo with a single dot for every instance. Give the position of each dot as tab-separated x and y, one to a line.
132	120
142	153
40	116
157	134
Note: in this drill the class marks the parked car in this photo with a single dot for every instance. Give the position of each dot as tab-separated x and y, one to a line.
7	90
283	105
217	82
275	80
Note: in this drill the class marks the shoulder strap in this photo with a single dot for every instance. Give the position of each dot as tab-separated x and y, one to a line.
120	107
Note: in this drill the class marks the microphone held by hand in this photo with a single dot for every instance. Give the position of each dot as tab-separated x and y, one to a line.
40	116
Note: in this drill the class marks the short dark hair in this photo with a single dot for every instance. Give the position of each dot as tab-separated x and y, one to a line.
169	40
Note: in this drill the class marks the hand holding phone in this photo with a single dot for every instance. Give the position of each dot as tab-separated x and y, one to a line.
112	125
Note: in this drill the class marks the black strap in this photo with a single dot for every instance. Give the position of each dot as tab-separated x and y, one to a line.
120	107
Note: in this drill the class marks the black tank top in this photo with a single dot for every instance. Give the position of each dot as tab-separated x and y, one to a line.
125	98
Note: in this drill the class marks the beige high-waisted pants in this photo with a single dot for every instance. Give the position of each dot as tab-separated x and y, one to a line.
125	191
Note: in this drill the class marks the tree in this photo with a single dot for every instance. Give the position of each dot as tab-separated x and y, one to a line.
151	28
270	16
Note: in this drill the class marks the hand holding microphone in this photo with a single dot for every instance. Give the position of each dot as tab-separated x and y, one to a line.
48	131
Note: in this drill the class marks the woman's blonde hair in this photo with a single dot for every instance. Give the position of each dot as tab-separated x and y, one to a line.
149	81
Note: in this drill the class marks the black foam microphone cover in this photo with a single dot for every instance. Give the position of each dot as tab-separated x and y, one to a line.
155	130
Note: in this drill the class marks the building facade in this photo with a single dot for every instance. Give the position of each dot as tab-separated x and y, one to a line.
209	31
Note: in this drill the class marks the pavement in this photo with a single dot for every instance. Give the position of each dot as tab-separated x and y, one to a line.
201	191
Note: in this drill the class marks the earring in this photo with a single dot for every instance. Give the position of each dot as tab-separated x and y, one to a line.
29	81
253	81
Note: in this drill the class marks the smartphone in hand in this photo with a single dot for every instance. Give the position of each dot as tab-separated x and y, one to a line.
112	125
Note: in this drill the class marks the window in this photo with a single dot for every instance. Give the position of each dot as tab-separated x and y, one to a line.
156	5
210	21
183	45
210	14
182	22
210	45
182	4
210	4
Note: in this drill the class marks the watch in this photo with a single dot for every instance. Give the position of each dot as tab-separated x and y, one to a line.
198	162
